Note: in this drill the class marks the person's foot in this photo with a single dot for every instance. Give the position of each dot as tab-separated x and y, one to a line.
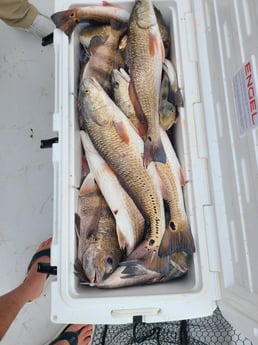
34	281
84	333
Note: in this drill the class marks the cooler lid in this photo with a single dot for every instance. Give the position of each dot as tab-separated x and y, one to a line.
227	53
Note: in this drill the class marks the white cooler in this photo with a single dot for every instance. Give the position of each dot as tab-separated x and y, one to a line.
215	51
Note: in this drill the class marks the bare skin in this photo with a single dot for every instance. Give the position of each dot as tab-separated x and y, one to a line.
29	290
83	338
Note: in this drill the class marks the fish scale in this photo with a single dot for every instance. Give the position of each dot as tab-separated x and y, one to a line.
116	140
145	55
129	220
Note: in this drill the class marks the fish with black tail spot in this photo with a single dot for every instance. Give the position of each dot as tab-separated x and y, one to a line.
145	52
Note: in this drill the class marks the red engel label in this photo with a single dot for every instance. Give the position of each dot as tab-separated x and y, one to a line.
245	98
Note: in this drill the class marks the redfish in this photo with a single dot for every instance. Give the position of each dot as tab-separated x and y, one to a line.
117	141
67	20
129	221
145	55
178	236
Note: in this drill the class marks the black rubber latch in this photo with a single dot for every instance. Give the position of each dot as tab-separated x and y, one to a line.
137	319
44	267
47	143
49	39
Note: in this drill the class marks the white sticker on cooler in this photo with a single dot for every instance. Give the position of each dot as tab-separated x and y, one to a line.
245	98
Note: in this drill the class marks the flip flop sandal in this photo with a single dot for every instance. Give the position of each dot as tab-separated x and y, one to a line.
70	337
37	255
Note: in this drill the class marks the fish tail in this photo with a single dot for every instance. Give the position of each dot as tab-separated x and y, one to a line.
149	258
177	238
153	152
65	21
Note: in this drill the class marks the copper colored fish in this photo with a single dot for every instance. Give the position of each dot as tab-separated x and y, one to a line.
120	84
129	221
117	141
178	236
145	54
67	20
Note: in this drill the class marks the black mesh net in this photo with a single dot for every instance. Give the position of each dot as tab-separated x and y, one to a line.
212	330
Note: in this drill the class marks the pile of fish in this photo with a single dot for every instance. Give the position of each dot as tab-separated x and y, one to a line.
131	223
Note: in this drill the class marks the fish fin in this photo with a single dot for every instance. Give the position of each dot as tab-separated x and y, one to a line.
66	21
153	153
96	42
121	240
88	185
163	189
107	3
136	104
176	240
132	269
142	129
153	43
163	54
85	165
108	170
182	178
150	258
122	131
179	261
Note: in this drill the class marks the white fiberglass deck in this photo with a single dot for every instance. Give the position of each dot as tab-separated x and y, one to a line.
26	174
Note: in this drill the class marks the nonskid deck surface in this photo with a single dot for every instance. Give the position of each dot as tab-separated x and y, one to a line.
26	174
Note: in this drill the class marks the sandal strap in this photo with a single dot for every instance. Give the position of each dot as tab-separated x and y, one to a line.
37	255
70	337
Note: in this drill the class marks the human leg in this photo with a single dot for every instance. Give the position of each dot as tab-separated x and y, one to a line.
30	289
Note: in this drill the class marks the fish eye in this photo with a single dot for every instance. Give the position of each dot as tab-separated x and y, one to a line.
116	85
109	260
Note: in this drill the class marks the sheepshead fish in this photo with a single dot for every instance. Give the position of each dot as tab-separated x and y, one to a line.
131	273
145	56
117	141
98	248
135	273
178	236
167	110
129	221
120	85
67	20
175	95
104	56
